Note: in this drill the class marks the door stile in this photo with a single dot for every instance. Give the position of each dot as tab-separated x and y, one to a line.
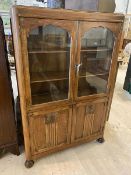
77	59
115	52
72	62
114	69
24	33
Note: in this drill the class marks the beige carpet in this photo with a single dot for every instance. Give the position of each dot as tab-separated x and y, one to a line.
111	158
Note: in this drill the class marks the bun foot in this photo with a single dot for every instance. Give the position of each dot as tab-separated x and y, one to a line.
100	140
29	163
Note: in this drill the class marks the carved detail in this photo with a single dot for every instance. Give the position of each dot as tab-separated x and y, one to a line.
90	109
50	118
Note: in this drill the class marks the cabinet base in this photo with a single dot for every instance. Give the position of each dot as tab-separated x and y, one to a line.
43	153
29	163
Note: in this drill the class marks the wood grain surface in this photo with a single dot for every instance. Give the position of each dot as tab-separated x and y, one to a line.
54	126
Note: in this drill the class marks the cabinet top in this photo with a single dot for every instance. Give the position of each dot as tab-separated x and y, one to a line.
64	14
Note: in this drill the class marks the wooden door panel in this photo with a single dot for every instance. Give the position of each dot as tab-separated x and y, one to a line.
89	119
50	130
100	111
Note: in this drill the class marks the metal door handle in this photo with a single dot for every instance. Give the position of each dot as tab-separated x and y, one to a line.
77	68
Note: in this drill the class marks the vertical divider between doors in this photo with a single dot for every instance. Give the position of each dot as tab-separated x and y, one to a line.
77	59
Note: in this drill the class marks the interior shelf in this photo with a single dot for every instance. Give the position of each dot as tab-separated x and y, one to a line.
96	50
95	59
88	74
48	76
48	51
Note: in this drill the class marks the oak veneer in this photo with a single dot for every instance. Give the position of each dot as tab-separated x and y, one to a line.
64	103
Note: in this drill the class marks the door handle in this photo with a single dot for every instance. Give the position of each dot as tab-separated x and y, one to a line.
77	68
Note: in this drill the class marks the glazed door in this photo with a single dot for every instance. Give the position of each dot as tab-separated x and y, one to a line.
96	43
49	53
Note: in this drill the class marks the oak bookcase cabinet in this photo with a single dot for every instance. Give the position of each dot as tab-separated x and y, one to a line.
66	64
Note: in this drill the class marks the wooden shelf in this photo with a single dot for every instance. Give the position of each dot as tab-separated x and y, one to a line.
48	76
46	51
82	75
96	50
94	59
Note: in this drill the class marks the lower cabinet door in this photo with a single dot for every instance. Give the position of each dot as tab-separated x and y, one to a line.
89	119
50	130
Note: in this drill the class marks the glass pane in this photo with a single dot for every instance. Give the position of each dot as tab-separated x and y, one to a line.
96	54
49	62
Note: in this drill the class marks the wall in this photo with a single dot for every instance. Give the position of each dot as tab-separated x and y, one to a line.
121	5
31	3
91	5
129	7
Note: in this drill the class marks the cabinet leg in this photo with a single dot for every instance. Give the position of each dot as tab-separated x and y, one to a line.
14	149
29	163
101	140
2	152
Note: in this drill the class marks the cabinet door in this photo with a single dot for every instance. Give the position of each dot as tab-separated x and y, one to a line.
50	130
89	120
96	51
48	47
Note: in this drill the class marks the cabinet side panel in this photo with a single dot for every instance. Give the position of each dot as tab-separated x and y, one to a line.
21	85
